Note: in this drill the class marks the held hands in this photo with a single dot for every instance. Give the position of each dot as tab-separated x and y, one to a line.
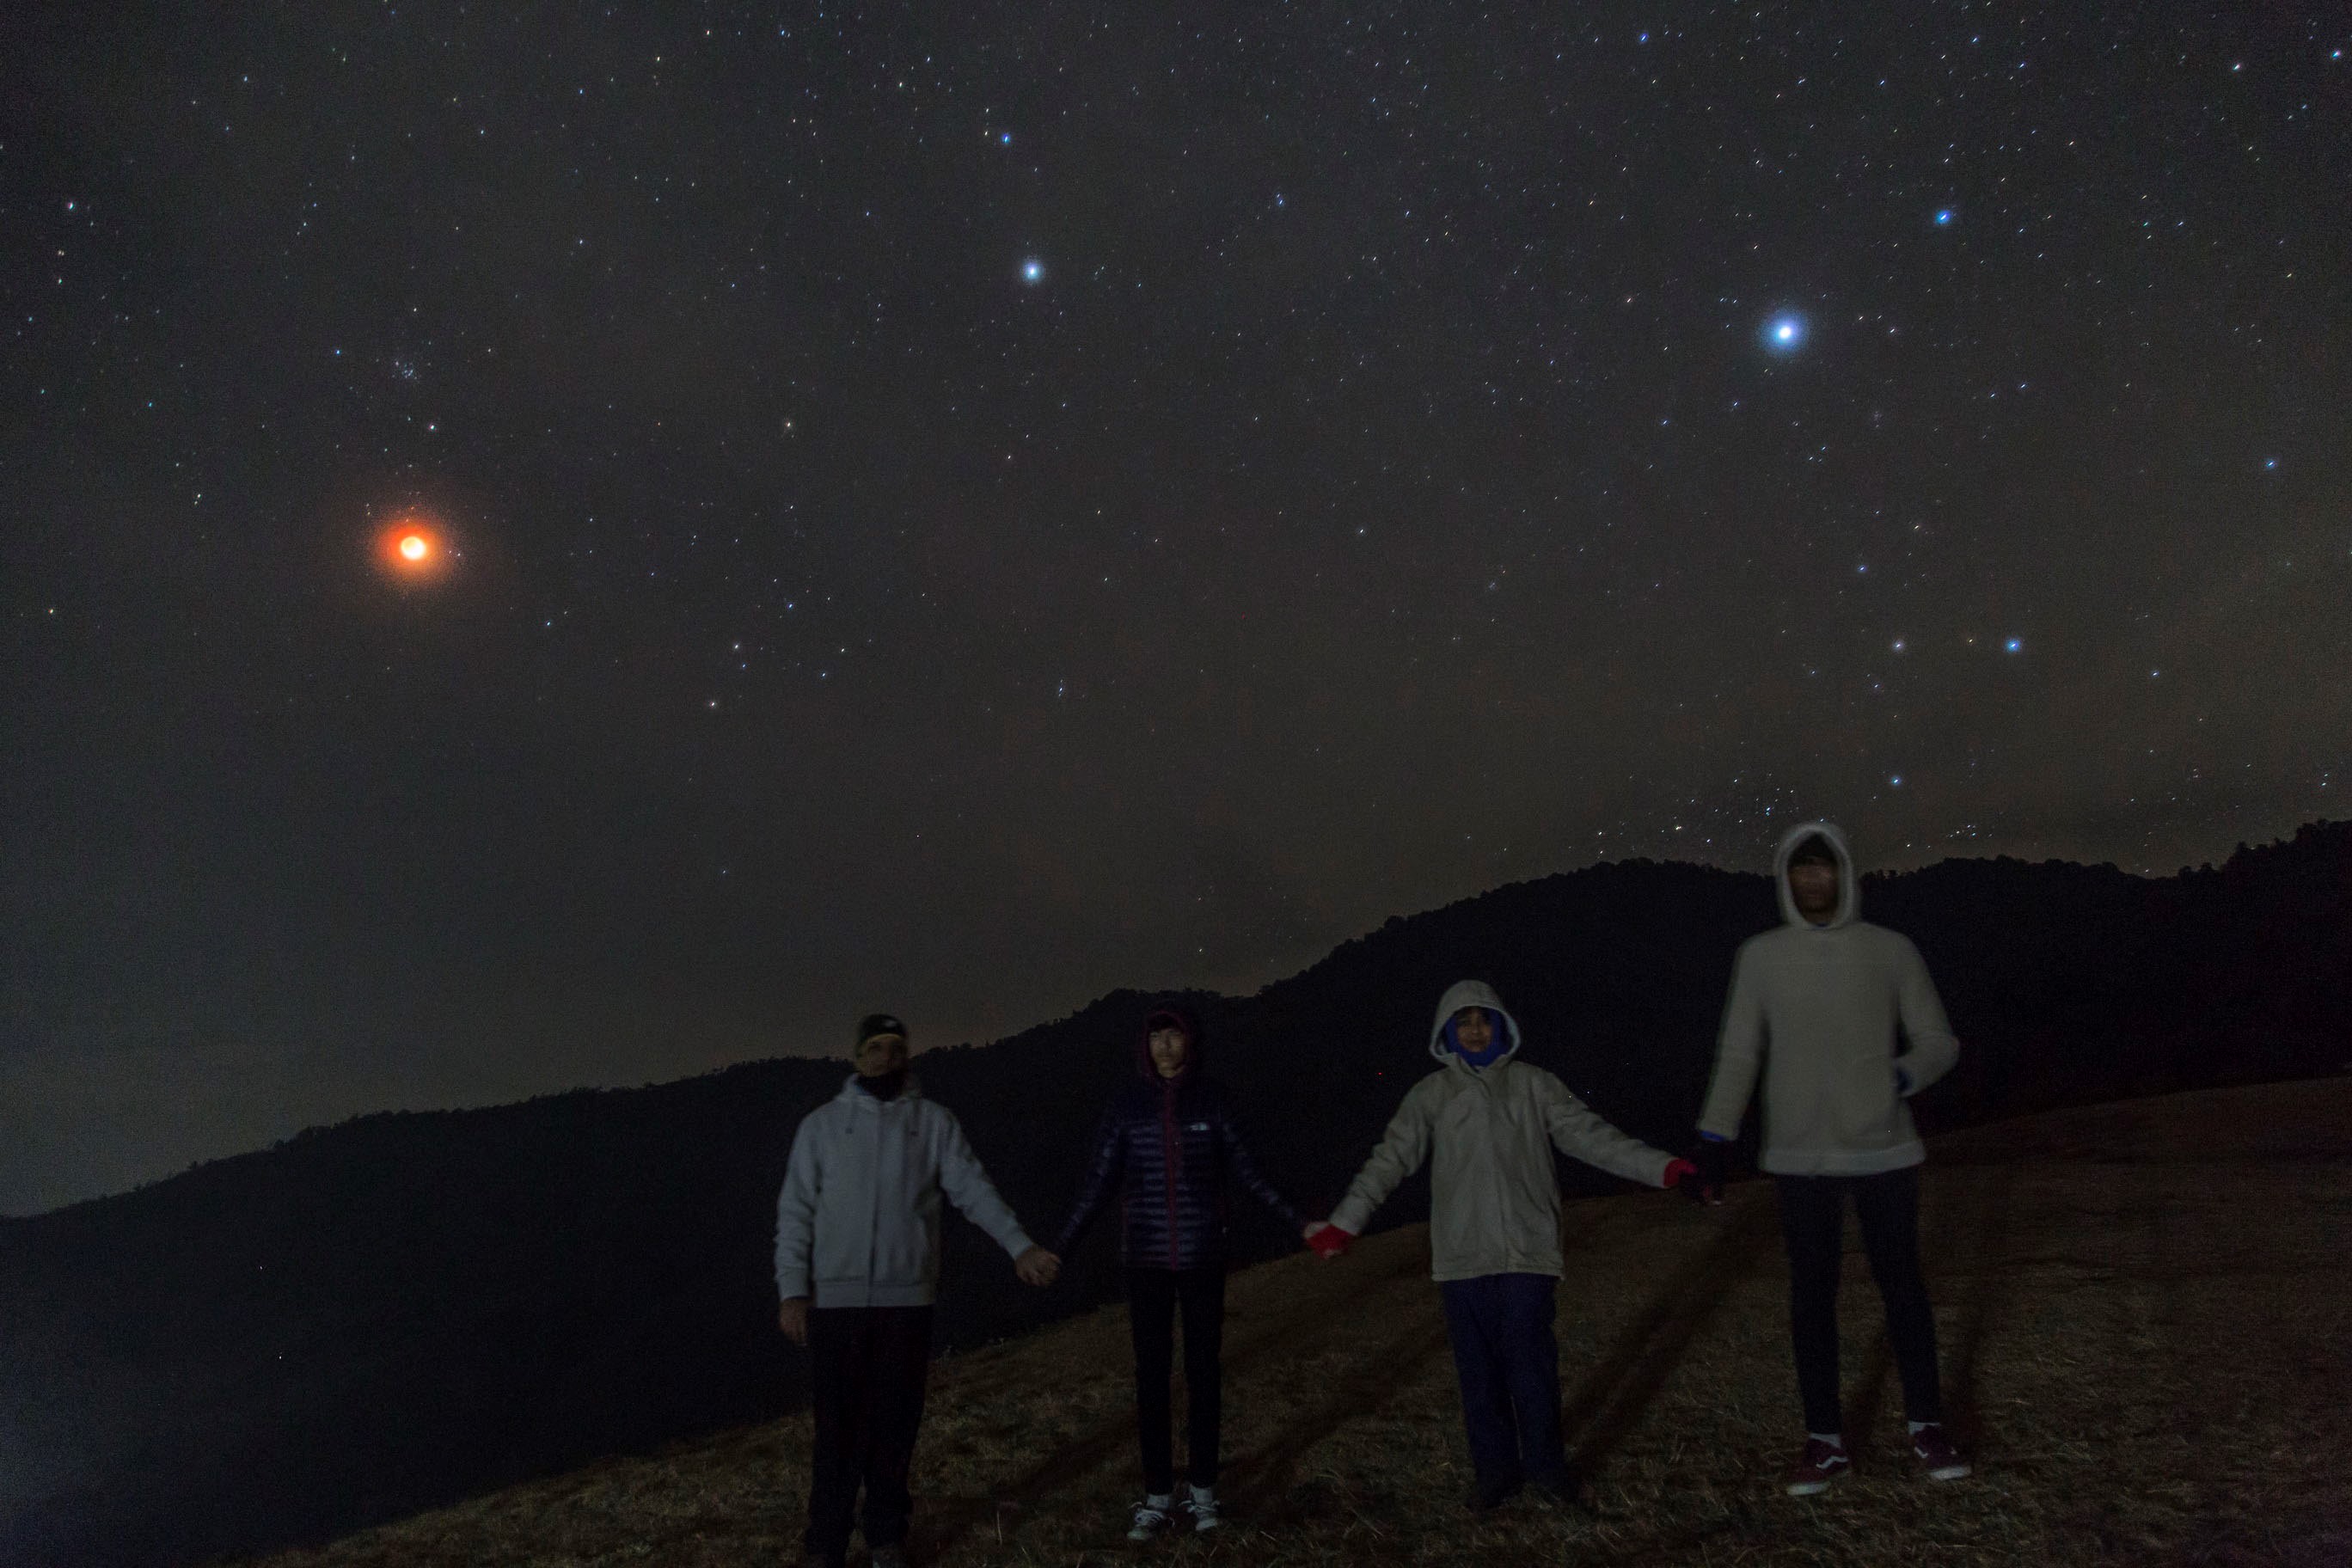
793	1318
1710	1160
1037	1267
1328	1240
1682	1178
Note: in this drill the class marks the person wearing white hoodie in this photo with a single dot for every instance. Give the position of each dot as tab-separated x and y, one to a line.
1840	1021
1487	1123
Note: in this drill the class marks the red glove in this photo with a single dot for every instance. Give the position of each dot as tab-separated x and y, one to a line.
1331	1241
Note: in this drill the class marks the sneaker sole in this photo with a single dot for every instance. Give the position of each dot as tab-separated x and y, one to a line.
1950	1473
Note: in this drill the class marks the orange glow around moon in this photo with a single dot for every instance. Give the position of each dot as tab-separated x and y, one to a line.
412	548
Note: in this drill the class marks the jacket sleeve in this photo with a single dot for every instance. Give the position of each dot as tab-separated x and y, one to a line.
1582	1134
1933	1047
1245	1169
796	1212
1102	1174
1738	1051
974	1195
1397	1156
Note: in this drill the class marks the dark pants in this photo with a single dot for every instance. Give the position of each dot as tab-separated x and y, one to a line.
867	1369
1812	1219
1501	1326
1153	1295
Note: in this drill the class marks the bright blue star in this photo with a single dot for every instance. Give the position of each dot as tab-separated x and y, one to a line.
1005	137
1033	271
2014	645
1944	218
1784	334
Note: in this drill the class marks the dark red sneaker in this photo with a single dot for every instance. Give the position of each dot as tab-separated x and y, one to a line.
1939	1460
1822	1463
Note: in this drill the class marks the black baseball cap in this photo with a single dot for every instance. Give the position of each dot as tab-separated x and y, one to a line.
1813	848
875	1024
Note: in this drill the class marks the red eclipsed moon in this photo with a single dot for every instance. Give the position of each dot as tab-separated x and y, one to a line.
412	548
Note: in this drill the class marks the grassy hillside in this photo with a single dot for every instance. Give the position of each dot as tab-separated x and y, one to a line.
386	1317
2145	1309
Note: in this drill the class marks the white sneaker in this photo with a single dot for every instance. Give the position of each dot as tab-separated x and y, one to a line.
1201	1503
1155	1513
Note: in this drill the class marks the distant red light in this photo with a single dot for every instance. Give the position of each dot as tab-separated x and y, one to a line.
412	548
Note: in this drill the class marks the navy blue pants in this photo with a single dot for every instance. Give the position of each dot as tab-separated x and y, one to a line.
1501	1326
1154	1294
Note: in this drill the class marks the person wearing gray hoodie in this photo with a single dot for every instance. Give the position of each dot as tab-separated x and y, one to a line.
1840	1020
1488	1123
857	1268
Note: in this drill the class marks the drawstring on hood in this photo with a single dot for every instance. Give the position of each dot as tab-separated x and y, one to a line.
1849	905
1479	994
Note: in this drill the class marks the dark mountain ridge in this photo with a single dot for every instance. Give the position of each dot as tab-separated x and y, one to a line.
405	1308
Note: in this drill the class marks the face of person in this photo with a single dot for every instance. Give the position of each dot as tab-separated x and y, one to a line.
1814	884
1169	1049
1472	1030
881	1055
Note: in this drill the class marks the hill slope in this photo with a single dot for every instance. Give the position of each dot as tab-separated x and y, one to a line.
2147	1320
391	1314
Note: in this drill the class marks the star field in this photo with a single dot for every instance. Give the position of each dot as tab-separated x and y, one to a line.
957	509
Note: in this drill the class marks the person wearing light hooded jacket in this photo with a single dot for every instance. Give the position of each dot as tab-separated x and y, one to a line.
1840	1020
858	1269
1488	1123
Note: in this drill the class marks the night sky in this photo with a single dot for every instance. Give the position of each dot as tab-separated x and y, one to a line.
954	508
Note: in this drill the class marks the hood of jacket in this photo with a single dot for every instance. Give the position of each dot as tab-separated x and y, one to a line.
1160	1018
1849	885
1471	993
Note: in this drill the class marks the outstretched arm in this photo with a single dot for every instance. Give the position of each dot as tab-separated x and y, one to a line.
1397	1156
1738	1053
1102	1174
1245	1169
1934	1049
974	1195
1582	1134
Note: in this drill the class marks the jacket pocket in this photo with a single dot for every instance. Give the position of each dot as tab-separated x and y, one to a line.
840	1251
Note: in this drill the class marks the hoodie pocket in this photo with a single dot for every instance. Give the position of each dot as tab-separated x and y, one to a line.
1867	1111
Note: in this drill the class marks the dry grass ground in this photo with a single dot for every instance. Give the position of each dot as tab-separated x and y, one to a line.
2144	1311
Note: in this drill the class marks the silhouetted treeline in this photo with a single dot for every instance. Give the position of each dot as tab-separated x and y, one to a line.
407	1309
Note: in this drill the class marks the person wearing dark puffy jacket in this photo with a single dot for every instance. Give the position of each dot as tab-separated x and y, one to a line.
1167	1145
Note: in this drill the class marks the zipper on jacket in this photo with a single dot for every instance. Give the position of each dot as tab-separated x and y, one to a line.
874	1213
1171	1156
